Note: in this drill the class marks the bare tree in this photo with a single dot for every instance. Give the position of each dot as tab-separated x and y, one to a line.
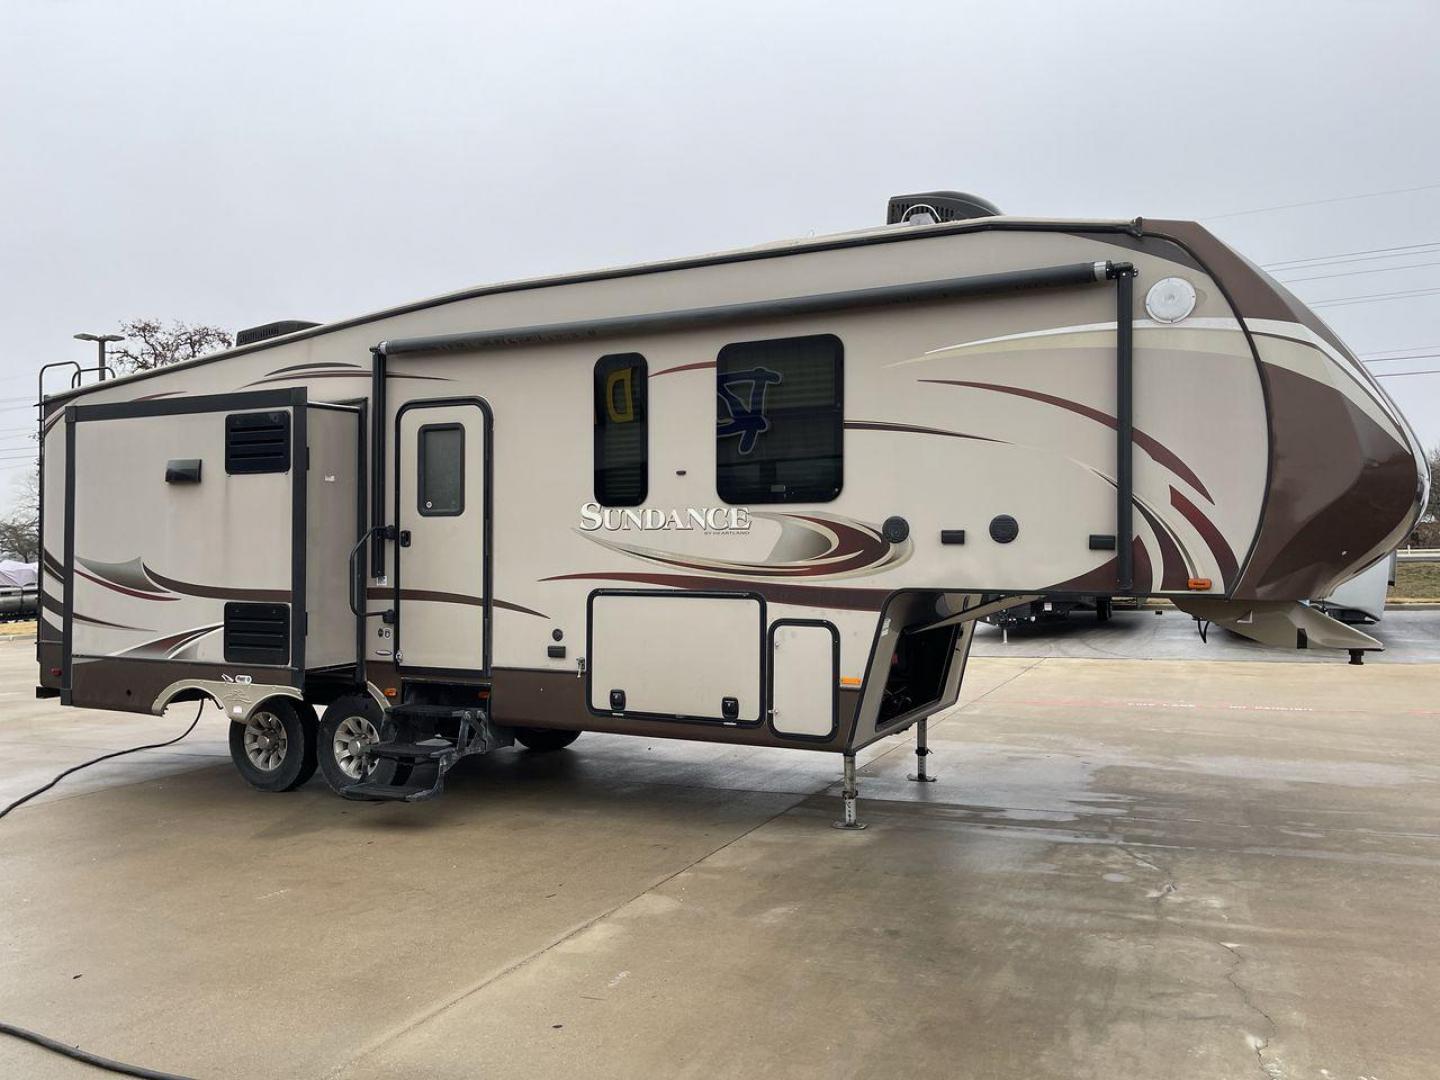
150	344
1427	529
20	527
1432	508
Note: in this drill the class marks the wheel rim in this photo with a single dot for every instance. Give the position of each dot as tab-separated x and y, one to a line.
353	737
266	742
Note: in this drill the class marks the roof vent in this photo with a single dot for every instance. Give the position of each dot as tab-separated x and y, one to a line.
251	335
929	207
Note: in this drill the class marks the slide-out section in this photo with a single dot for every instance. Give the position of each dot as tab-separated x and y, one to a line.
206	538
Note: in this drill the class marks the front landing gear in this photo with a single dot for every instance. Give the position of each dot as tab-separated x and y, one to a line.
849	792
922	751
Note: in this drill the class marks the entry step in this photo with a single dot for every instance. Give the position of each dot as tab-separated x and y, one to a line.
410	711
393	792
424	750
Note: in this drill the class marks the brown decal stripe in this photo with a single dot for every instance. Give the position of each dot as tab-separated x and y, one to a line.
163	647
859	548
1174	562
847	599
218	592
50	604
1250	291
122	588
108	625
855	548
1104	579
358	374
507	606
1152	446
1340	485
911	429
129	575
683	367
316	366
1173	572
52	564
434	597
1213	537
157	397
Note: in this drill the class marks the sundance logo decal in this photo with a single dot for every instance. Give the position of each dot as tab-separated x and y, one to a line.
594	518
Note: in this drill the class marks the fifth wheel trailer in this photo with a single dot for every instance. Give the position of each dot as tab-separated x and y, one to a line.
758	497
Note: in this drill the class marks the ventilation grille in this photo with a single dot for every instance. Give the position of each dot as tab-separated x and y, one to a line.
943	206
257	633
257	442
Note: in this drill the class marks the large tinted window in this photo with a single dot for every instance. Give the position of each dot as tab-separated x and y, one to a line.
621	430
441	490
780	420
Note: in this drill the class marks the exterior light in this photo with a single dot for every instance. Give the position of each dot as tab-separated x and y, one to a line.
1170	300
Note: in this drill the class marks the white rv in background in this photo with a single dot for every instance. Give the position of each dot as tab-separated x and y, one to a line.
758	497
1361	599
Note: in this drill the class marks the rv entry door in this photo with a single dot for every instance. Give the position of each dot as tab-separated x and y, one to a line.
442	554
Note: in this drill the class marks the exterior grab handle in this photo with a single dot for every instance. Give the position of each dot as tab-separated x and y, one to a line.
354	571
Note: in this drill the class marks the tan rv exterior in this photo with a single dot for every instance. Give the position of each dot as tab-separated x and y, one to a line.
980	373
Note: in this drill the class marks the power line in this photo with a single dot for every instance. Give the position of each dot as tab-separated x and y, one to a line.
1406	349
1373	297
1364	255
1397	374
1321	202
1352	273
1413	356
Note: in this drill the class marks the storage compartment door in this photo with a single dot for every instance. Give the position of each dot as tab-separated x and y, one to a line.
804	675
677	655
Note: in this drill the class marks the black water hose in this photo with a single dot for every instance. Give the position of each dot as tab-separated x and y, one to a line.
88	1058
54	1045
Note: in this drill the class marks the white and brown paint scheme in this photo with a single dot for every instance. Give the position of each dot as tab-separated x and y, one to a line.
983	374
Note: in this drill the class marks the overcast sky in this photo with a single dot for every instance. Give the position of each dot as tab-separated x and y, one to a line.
234	164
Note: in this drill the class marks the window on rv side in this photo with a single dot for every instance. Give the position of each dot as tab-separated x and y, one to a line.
440	490
780	420
622	430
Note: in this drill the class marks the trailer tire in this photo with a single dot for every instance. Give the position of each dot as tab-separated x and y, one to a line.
274	748
544	740
346	720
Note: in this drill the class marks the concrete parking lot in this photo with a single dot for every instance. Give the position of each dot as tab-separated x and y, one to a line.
1410	636
1128	868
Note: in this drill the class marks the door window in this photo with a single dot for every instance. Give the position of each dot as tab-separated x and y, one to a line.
441	486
